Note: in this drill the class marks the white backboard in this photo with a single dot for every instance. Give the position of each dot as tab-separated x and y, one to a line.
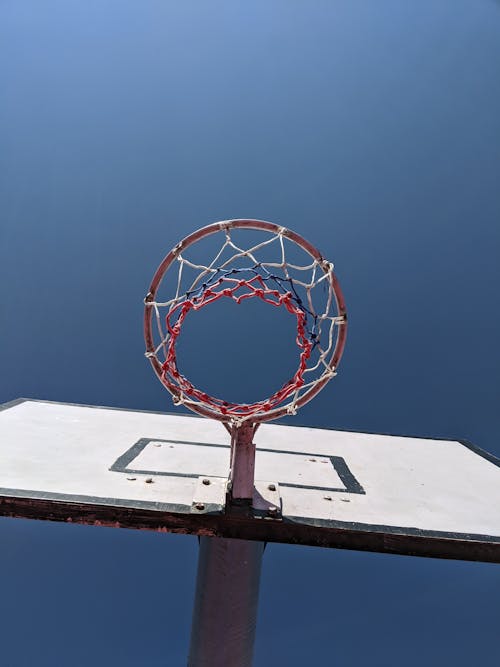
342	489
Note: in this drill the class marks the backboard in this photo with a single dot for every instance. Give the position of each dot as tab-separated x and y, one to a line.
114	467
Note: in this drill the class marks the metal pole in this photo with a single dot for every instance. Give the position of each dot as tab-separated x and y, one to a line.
227	585
226	600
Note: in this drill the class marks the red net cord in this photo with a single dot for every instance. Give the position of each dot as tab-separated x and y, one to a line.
255	287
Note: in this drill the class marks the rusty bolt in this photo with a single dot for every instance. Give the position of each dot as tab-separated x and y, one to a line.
272	487
206	481
200	506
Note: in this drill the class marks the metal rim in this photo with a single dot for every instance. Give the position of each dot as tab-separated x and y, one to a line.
208	230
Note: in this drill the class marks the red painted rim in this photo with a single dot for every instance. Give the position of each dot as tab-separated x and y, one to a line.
220	227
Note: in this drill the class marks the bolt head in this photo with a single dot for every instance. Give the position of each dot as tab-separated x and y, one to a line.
200	506
272	511
206	482
272	487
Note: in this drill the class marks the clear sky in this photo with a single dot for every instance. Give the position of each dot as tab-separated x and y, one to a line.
371	128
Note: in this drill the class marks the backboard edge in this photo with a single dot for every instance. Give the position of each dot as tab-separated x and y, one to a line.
292	530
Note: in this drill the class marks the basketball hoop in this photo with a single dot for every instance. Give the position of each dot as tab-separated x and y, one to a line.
304	285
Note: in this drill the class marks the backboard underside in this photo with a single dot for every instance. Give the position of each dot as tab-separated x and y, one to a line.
113	467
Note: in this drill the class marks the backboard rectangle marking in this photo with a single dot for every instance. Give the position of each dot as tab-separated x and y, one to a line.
125	464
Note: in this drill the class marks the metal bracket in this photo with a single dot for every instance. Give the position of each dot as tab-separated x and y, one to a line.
209	495
266	502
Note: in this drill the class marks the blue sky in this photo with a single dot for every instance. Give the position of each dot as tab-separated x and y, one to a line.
370	128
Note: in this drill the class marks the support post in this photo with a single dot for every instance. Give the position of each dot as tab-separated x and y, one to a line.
227	585
226	600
